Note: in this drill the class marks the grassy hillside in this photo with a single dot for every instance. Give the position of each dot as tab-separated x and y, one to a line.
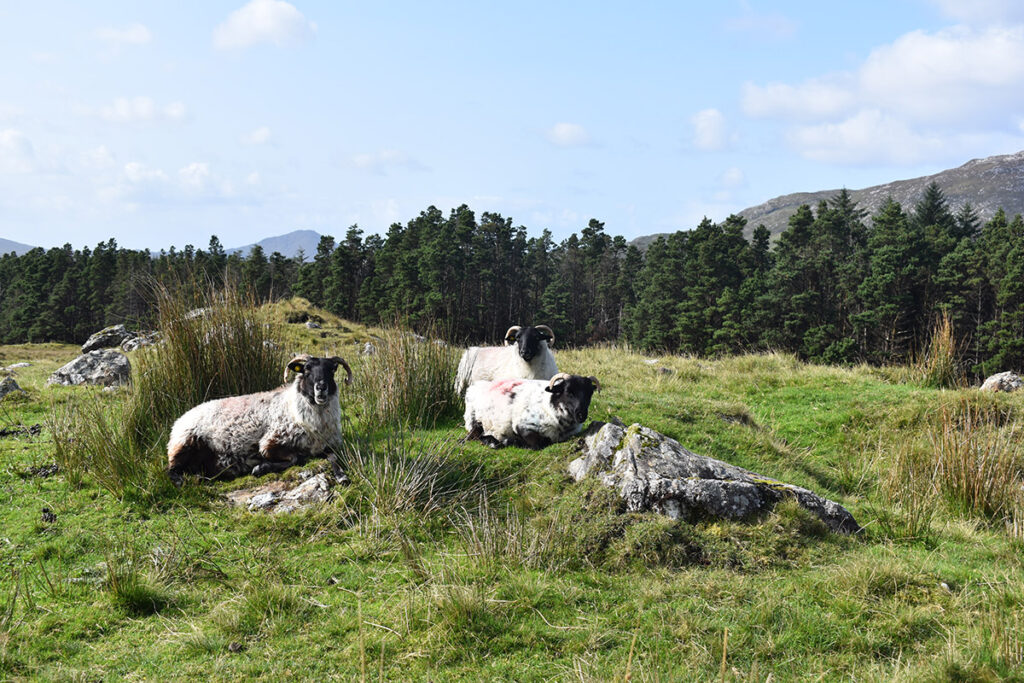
444	561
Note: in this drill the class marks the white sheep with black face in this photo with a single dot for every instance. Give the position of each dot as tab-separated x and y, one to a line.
264	432
526	354
528	412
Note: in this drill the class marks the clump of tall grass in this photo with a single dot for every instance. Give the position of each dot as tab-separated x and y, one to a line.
213	344
970	457
130	588
940	365
978	460
395	477
407	383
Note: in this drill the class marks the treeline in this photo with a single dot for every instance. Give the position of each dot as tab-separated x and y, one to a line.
837	286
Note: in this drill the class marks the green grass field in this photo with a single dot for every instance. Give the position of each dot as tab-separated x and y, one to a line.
446	562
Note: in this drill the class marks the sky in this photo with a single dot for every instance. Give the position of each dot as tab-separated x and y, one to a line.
161	124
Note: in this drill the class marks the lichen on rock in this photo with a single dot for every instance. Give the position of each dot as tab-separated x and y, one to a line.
653	472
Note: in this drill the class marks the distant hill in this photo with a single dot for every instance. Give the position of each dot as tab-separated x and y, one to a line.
988	184
288	245
7	246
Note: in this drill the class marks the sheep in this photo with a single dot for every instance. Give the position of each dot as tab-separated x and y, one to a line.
528	412
264	432
526	355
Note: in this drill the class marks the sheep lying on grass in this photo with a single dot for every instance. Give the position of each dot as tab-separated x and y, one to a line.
528	412
526	354
265	432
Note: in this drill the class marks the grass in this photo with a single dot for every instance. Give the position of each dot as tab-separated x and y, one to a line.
444	561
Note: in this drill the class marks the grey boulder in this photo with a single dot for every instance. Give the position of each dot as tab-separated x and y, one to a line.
108	337
653	472
1003	381
106	367
8	386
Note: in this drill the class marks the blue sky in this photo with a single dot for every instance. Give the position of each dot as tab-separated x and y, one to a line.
164	123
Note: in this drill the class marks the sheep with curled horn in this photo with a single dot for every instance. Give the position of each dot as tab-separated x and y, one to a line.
525	355
263	432
528	412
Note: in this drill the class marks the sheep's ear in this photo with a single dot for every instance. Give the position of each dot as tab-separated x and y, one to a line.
597	385
297	366
510	336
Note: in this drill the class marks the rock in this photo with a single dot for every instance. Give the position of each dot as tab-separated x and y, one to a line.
263	501
8	385
312	325
441	343
140	340
665	371
369	349
106	338
651	361
47	516
653	472
1004	381
285	496
14	366
106	367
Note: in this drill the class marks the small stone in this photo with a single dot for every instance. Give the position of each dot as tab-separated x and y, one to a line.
48	516
263	501
234	646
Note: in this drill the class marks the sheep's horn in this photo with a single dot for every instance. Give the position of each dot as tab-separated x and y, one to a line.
512	331
597	385
301	358
546	330
562	376
341	361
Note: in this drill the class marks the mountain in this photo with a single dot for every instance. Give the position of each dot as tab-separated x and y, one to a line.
988	184
7	246
288	245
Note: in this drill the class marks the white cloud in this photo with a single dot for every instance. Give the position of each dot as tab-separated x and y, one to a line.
568	135
97	159
138	173
259	136
134	34
812	99
710	131
137	110
956	85
263	21
385	160
866	137
195	176
17	155
732	177
772	25
982	11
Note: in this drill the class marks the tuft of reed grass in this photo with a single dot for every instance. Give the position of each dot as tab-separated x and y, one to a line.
130	589
213	344
407	383
395	477
940	366
978	460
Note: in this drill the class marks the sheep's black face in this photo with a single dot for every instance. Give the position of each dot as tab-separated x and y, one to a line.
316	380
572	396
529	341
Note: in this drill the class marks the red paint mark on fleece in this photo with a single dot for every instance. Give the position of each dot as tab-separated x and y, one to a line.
506	386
